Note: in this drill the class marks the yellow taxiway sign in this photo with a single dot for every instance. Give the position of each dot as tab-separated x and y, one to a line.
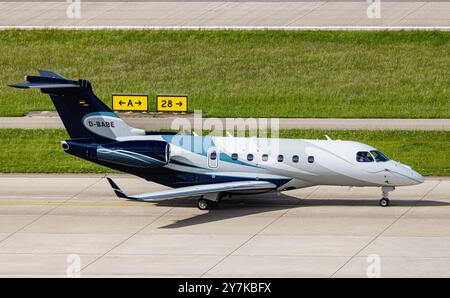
171	103
130	102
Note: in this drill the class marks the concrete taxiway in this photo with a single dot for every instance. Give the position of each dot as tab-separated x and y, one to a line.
294	15
155	122
48	220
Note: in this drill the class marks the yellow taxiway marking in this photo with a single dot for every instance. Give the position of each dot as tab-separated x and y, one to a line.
78	203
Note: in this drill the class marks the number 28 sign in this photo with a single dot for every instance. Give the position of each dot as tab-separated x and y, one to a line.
171	103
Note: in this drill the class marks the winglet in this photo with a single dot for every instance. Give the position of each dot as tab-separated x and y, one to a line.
116	189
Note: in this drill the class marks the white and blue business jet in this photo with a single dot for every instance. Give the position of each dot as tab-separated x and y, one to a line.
220	167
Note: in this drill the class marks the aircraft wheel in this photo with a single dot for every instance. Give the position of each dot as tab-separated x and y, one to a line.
384	202
202	204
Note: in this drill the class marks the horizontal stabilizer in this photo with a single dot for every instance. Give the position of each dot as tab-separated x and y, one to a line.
116	189
197	190
49	80
44	85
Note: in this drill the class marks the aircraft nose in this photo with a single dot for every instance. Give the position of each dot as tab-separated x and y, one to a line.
417	177
405	175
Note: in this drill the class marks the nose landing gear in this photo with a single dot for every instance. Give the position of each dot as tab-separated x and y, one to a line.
384	202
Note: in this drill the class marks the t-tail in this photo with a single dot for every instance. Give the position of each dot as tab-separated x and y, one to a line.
83	114
97	133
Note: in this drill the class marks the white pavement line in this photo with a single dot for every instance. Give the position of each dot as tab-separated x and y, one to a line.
387	228
237	27
126	239
52	209
256	234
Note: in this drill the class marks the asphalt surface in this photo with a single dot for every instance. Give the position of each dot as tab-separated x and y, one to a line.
155	122
48	220
299	15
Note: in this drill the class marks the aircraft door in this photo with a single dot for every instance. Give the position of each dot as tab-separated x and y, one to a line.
213	157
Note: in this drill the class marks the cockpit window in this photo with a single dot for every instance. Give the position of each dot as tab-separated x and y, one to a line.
364	156
379	157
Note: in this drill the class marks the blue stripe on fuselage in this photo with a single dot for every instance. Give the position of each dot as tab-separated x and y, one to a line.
200	145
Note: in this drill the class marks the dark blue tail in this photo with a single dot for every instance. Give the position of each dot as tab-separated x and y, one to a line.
84	115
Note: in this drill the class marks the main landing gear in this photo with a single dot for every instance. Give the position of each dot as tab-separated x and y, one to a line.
384	202
209	201
203	204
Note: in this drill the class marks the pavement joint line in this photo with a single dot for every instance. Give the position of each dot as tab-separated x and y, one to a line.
412	12
126	239
43	12
307	13
201	14
243	243
48	211
313	191
251	237
385	229
116	4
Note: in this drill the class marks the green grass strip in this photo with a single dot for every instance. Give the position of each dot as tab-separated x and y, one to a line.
242	73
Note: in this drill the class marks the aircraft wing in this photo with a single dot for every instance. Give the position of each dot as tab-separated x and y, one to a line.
197	190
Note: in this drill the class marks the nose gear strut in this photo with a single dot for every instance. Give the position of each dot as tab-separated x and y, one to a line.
384	202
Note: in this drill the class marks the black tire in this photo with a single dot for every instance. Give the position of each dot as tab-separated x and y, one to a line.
202	204
384	202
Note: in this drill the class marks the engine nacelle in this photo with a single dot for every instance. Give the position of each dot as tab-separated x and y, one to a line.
140	154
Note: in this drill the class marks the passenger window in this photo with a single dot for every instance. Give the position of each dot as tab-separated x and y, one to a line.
250	157
379	157
213	155
234	156
310	159
280	158
264	157
295	158
364	156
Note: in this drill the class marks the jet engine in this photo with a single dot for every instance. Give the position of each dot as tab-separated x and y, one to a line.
140	154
